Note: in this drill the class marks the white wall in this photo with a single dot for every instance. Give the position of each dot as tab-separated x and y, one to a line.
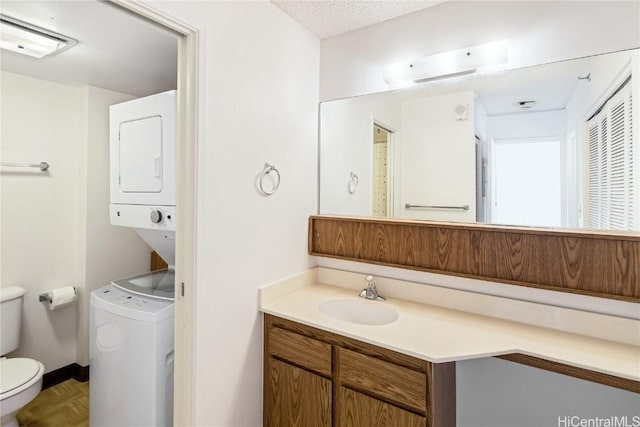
259	94
41	121
527	125
499	393
347	146
109	252
438	157
537	31
55	226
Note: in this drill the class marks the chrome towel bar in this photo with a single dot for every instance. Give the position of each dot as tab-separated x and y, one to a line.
43	166
458	208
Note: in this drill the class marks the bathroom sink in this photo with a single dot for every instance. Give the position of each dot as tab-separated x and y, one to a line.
361	312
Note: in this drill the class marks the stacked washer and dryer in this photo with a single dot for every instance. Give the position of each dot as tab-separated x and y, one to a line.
132	319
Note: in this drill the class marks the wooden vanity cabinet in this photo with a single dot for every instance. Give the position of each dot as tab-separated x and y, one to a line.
317	378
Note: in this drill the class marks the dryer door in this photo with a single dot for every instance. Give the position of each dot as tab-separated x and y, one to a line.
140	148
142	144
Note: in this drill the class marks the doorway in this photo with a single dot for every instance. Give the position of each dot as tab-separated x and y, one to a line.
186	178
76	113
527	176
381	172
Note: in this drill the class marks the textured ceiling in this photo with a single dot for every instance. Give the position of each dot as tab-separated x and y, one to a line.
330	18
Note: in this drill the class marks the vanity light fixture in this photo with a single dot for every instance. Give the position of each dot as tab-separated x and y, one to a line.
481	58
27	39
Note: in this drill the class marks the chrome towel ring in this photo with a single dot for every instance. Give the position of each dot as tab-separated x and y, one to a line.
352	183
268	169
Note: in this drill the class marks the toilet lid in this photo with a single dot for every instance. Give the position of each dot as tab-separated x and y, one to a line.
15	372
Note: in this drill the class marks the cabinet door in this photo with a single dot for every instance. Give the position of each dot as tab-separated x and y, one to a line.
295	397
359	410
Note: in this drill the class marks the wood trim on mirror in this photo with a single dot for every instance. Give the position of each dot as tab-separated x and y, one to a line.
599	264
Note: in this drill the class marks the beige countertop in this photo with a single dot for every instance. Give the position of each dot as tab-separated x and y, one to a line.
444	334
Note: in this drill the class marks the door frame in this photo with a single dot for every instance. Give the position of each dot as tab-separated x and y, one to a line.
190	131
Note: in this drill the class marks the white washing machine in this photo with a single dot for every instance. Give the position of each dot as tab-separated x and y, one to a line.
132	325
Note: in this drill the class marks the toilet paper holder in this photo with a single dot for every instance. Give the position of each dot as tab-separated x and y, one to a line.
46	297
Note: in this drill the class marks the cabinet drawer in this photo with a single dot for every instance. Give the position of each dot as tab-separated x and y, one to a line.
300	350
384	380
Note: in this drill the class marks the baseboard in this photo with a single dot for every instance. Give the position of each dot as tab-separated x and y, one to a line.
82	373
75	371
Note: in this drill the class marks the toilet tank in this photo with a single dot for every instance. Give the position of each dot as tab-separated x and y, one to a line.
10	318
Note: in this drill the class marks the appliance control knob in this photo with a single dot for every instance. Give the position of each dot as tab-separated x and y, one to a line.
156	216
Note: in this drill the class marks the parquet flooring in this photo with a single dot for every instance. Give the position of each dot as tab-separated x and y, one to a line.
63	405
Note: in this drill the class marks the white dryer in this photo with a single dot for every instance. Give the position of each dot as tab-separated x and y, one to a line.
131	353
142	139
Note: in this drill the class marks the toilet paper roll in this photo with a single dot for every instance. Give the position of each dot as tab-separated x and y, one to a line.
61	297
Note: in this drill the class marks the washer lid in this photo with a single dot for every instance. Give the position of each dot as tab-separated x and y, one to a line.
16	372
158	284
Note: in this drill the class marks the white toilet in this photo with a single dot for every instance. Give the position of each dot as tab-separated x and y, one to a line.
20	378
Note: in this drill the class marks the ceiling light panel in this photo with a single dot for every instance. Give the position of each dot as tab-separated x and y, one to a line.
27	39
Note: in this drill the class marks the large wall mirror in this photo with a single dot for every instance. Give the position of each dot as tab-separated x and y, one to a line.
545	146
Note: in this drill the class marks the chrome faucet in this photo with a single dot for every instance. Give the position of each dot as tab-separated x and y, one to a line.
370	292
